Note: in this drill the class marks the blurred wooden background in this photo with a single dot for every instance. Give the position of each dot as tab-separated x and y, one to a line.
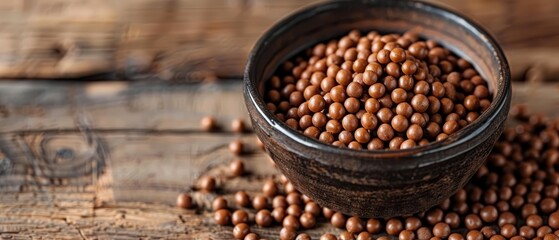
105	160
207	39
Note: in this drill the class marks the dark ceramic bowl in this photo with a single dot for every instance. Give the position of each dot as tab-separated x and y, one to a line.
377	183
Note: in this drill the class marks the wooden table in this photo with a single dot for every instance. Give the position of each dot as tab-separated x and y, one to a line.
106	159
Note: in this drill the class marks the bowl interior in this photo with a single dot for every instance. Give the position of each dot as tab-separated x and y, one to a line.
326	21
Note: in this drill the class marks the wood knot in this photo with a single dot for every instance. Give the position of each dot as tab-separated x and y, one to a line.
65	48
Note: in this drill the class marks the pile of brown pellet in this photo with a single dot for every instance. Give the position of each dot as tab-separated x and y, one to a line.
513	196
377	92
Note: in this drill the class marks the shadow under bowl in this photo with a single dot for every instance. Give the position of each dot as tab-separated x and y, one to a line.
377	183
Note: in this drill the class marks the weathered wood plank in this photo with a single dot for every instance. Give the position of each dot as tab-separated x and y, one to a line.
196	40
149	106
118	105
69	173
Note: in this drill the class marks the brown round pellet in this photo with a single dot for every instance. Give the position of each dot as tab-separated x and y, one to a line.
294	210
263	218
222	217
527	232
219	203
385	132
354	225
345	235
316	103
414	132
184	200
270	189
288	233
242	198
548	205
420	103
508	230
534	221
543	230
452	219
291	221
398	55
328	236
208	123
406	235
251	236
394	226
239	216
473	222
279	201
474	235
206	183
395	143
279	214
488	231
364	236
293	197
307	220
434	216
441	230
241	230
338	220
424	233
259	202
303	236
237	168
489	214
373	226
497	237
553	220
455	236
506	217
236	147
407	144
238	125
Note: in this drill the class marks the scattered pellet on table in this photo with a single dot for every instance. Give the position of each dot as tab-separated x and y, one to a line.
236	147
303	236
270	189
294	210
241	230
259	202
328	236
207	183
184	200
338	220
219	203
237	168
238	125
239	216
251	236
291	221
242	198
222	217
354	225
288	233
512	196
263	218
208	123
307	220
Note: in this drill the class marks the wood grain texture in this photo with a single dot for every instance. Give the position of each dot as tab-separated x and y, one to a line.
189	40
106	160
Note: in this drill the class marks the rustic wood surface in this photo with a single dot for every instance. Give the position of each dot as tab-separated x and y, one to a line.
192	40
105	160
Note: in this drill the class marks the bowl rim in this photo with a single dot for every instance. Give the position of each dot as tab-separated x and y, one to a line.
381	159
